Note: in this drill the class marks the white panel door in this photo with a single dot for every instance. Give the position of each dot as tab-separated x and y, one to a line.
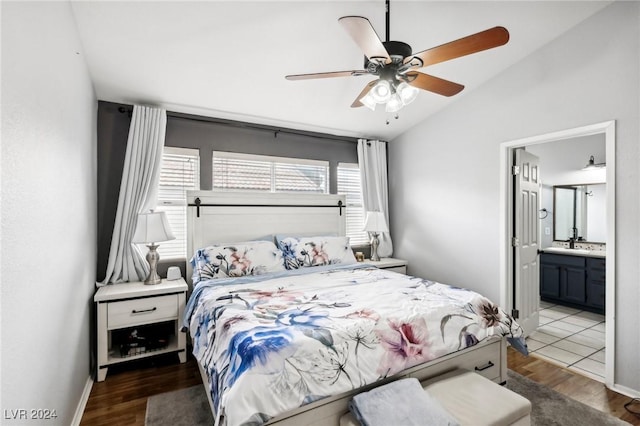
526	243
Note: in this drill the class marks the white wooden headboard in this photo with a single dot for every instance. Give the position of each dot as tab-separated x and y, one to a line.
226	217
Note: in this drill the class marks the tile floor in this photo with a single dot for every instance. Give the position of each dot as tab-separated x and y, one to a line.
571	338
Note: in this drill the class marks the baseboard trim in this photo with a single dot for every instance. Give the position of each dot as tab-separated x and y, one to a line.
84	398
631	393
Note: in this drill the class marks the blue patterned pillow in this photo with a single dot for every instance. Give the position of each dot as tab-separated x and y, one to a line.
236	260
301	252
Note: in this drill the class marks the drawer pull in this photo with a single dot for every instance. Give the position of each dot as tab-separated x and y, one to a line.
145	311
484	367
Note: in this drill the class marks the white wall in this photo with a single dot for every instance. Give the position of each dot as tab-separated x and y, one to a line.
48	211
546	223
561	162
597	213
445	172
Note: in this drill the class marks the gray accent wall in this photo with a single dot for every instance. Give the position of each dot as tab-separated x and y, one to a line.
206	135
48	212
212	136
113	131
445	172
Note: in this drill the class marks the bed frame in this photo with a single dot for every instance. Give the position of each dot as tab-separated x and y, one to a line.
225	217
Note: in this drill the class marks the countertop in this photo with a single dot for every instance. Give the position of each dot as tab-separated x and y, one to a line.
575	252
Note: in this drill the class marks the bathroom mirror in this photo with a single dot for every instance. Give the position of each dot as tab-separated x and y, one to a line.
580	212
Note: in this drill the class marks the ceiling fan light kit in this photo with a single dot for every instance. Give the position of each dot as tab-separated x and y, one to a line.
367	100
396	67
407	93
395	95
394	103
381	92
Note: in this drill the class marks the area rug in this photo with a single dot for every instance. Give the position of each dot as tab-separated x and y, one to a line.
190	407
551	408
185	407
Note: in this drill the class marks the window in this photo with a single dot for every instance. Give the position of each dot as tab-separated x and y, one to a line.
180	172
234	171
349	185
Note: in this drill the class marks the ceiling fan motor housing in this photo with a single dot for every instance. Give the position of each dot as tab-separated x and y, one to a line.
397	50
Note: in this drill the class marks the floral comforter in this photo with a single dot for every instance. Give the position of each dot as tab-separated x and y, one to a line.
271	346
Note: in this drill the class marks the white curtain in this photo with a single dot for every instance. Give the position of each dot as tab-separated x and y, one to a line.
138	193
372	160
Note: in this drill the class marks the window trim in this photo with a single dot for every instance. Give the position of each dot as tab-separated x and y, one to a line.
269	158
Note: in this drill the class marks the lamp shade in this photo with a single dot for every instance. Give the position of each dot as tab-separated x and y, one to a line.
152	227
375	222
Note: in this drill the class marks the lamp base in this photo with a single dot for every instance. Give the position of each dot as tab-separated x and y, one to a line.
152	257
374	248
153	279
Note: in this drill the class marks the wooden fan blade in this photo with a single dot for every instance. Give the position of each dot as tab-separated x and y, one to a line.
433	84
326	75
357	103
478	42
362	32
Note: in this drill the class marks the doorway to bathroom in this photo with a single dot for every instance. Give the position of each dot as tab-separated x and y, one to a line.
563	321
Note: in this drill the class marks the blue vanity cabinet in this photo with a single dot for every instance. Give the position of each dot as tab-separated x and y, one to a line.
549	279
596	276
573	288
575	281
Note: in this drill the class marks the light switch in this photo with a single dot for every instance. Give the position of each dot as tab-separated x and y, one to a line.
547	230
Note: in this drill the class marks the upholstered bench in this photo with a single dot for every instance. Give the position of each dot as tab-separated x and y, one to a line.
473	400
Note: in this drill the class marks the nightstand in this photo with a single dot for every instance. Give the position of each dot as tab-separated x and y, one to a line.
137	321
396	265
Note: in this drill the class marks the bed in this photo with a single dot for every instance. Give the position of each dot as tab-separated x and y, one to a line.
287	327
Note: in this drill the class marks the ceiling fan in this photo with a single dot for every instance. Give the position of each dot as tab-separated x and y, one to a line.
397	67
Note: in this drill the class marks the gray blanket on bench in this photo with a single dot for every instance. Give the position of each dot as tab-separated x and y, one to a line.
402	402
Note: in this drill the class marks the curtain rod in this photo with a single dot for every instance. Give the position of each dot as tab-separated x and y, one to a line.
253	126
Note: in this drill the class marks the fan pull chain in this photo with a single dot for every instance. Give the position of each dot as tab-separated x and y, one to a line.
395	116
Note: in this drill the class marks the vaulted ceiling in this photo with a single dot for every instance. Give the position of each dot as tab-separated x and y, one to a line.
228	59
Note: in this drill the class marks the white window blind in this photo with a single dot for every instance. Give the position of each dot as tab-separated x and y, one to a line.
180	172
349	185
240	174
234	171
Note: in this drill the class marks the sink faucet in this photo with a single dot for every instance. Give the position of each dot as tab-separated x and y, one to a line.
574	237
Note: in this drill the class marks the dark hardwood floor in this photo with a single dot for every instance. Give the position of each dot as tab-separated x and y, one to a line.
122	398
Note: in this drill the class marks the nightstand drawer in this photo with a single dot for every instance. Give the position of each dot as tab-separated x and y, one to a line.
399	269
141	311
388	264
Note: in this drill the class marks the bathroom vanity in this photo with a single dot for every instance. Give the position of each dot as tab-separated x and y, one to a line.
573	277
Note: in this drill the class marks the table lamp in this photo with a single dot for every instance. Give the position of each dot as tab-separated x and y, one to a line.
375	223
152	227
